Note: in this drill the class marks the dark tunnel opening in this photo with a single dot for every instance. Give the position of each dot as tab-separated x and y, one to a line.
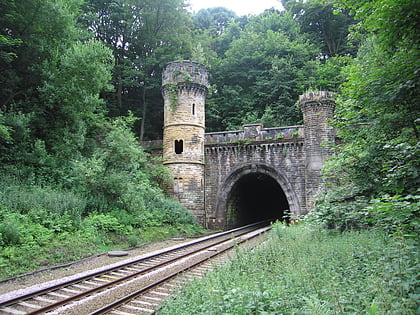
256	197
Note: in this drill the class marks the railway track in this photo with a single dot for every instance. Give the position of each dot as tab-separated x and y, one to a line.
134	287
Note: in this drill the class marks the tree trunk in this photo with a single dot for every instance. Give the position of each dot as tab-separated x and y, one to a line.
143	119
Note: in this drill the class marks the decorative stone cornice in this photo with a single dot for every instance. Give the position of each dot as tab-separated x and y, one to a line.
186	87
183	124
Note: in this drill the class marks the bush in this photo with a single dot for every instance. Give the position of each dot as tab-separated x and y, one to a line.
9	232
338	210
42	203
103	223
396	213
107	197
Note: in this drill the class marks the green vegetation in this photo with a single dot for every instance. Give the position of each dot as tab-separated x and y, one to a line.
78	79
109	199
373	179
42	226
357	252
301	270
74	180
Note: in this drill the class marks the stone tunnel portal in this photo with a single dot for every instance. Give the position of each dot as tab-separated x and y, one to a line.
255	197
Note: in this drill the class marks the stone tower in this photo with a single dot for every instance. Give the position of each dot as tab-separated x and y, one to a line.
184	89
318	111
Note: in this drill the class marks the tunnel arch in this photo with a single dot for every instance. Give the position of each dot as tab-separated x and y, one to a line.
255	192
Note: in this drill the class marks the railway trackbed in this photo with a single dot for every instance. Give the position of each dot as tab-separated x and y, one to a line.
134	287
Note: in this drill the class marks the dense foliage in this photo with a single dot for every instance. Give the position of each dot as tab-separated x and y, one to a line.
376	169
80	85
261	64
73	180
304	271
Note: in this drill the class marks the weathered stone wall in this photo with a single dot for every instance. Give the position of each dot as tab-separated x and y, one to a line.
206	167
188	187
318	110
283	160
184	90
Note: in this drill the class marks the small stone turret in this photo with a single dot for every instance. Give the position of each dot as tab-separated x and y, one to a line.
184	89
318	111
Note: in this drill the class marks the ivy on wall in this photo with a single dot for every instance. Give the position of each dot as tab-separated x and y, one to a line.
172	90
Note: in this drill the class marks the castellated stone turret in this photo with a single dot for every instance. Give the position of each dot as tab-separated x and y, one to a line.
318	111
184	89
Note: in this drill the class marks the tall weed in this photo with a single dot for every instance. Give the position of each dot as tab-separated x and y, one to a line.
300	271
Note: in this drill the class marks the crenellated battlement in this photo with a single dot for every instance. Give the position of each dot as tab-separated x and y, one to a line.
228	178
316	97
255	132
185	71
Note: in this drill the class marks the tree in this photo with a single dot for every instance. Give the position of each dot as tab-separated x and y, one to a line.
326	25
70	94
261	75
31	32
214	31
215	20
53	74
378	115
143	35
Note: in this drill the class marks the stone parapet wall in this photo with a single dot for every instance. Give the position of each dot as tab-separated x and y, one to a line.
255	132
263	134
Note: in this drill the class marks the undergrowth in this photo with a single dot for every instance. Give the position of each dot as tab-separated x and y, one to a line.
304	271
45	226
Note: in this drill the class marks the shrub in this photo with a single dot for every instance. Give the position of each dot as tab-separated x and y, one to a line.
9	233
43	203
133	240
103	223
395	213
338	210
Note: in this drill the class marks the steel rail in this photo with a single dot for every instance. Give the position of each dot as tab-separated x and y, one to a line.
14	301
130	297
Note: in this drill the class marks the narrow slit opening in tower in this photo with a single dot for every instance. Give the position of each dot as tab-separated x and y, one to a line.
179	146
193	109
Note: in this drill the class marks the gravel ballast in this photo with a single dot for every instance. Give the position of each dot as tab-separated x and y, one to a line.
15	286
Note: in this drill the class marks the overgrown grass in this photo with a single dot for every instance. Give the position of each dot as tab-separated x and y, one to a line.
44	226
301	271
35	246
